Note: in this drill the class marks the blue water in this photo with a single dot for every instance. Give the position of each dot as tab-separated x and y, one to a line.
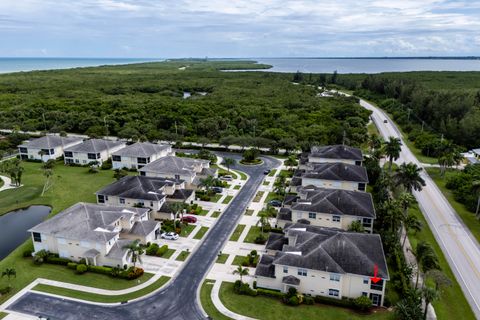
319	65
28	64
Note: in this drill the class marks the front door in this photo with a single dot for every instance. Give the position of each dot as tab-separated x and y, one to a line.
376	299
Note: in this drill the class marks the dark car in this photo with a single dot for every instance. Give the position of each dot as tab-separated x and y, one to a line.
275	203
217	189
267	171
189	219
385	121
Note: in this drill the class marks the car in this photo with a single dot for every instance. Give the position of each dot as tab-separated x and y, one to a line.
226	178
169	236
385	121
275	203
189	219
267	171
217	189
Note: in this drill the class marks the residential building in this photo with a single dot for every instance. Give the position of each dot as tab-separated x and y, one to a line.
95	233
149	192
334	153
92	150
333	208
332	175
139	154
188	169
324	262
47	147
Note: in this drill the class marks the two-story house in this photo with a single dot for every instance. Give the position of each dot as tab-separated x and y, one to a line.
333	208
337	175
140	191
46	147
333	153
95	233
188	169
93	150
324	262
137	155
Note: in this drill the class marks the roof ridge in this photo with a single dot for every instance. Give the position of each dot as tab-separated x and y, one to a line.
342	234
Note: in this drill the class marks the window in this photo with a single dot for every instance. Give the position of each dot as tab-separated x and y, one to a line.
77	161
142	160
177	177
361	186
84	161
37	237
52	151
377	286
140	166
334	277
333	292
358	163
364	294
23	150
92	156
336	218
151	203
46	151
299	215
68	160
285	269
122	201
116	158
98	155
365	280
68	154
142	173
302	272
100	198
367	222
312	215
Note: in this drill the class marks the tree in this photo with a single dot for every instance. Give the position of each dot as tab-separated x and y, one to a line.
476	190
251	154
9	273
291	161
392	149
409	176
134	251
263	220
374	143
241	271
356	226
48	173
429	294
207	182
42	153
410	307
411	223
176	207
439	278
426	259
228	162
119	174
280	185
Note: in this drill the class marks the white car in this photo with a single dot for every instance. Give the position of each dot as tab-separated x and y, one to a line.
169	236
226	178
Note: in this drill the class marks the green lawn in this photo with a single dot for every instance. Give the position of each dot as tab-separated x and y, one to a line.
27	272
222	258
216	197
168	254
4	314
203	212
183	256
273	309
215	214
452	303
272	196
467	217
286	173
237	261
199	235
266	183
1	185
237	232
186	230
227	199
272	173
254	232
258	196
372	129
207	303
249	212
237	187
242	175
94	297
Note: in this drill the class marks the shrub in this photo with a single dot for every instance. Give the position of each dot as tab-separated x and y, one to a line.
27	253
270	293
5	290
72	265
243	288
56	260
40	257
260	239
99	269
162	250
152	249
106	165
362	303
344	302
81	269
309	300
255	284
293	301
131	273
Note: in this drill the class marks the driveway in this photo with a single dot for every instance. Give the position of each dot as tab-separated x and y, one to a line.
179	299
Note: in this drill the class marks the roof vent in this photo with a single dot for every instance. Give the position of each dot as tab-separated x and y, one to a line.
297	253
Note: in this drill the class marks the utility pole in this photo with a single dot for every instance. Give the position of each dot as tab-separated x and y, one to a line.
106	126
423	122
408	114
44	122
441	139
344	137
176	129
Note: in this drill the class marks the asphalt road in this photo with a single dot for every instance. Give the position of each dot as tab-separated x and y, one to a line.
179	299
458	244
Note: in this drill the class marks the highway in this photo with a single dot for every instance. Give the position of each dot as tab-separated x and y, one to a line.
458	244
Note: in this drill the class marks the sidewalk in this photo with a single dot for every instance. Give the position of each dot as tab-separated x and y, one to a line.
219	305
7	184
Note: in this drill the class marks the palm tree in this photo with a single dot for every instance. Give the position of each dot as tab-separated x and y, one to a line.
9	273
263	220
241	271
408	175
392	149
291	161
374	142
176	207
446	161
429	294
207	182
280	185
411	223
426	259
476	189
135	251
48	174
228	162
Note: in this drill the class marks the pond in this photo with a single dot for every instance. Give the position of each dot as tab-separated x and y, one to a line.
14	226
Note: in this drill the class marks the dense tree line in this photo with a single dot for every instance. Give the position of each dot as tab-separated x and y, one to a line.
465	185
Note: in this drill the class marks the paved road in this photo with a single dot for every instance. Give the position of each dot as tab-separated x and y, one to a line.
458	244
179	299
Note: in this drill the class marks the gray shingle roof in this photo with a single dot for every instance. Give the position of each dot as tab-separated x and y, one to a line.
141	149
265	267
284	214
49	142
94	146
181	194
331	250
291	280
118	250
86	221
173	165
337	172
336	201
337	152
144	228
276	241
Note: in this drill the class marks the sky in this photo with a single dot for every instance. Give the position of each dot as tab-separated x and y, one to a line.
215	28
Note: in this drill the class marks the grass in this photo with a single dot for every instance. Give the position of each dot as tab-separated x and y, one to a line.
286	173
273	309
186	230
27	272
237	187
215	214
249	212
216	197
227	199
372	129
272	173
452	302
266	183
222	258
94	297
1	185
242	175
467	217
252	234
237	232
3	314
203	212
272	196
258	196
168	254
199	235
222	171
207	303
183	256
238	260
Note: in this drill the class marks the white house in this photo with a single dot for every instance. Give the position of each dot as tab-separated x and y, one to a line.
334	153
46	147
324	262
332	208
94	232
139	154
88	151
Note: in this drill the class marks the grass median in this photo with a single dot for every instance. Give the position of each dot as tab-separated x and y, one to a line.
207	303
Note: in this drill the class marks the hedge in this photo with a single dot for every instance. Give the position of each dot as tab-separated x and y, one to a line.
101	270
56	260
162	250
270	293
